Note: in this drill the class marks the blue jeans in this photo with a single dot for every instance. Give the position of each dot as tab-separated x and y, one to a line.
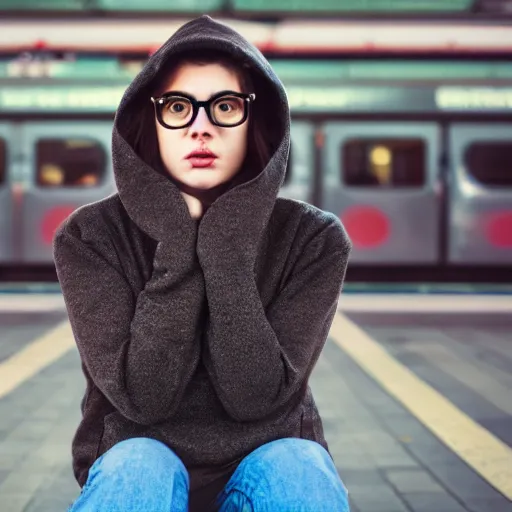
142	474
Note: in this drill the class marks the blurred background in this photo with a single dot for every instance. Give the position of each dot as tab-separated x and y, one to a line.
401	126
402	121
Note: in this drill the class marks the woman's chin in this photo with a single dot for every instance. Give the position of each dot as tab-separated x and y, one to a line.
205	182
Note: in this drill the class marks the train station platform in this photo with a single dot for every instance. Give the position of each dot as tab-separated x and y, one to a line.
415	392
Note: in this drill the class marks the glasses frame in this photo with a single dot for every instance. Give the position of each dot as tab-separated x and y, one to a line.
161	101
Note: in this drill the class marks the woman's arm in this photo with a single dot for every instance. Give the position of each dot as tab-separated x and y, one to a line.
140	351
259	359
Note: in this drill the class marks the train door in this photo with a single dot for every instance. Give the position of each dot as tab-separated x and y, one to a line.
66	164
299	180
6	204
480	212
382	180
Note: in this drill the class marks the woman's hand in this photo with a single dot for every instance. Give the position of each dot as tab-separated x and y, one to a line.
195	207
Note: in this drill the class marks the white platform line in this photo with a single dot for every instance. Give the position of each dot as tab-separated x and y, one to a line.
31	302
413	303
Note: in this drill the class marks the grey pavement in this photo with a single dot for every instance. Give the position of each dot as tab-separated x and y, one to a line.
387	459
466	358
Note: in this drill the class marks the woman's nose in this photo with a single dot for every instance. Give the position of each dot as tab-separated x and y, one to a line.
201	125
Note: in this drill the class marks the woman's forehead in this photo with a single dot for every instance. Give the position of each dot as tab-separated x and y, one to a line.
202	80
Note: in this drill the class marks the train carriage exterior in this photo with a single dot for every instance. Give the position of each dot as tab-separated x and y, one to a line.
480	204
414	156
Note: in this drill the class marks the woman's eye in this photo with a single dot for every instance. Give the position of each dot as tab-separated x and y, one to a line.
176	107
228	106
225	107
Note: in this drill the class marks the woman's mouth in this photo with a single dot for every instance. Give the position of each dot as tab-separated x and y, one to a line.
201	158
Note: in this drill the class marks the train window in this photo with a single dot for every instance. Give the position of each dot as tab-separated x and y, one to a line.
490	163
383	162
3	172
70	163
288	176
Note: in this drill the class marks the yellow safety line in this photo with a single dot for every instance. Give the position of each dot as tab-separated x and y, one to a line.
32	358
485	453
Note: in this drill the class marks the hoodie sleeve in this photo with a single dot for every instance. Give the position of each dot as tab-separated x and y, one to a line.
140	351
258	359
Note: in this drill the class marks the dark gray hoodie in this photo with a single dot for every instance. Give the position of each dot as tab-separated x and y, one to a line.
200	334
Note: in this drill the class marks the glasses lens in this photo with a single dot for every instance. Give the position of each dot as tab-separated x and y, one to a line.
228	110
177	111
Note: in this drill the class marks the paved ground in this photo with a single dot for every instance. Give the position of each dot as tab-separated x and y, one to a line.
389	460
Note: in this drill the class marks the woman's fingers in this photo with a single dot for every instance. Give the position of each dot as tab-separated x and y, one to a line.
194	205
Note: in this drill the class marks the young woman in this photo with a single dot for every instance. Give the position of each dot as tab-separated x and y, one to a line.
199	300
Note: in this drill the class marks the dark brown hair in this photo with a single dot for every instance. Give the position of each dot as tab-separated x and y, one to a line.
263	132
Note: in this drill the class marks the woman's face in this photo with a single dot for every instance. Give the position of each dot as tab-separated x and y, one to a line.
228	144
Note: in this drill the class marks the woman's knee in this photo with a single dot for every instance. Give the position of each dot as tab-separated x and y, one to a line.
141	457
294	455
135	474
293	471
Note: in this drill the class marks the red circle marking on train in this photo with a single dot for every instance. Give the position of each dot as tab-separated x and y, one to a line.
367	226
499	229
52	220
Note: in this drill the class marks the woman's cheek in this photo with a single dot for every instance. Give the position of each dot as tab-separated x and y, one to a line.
171	160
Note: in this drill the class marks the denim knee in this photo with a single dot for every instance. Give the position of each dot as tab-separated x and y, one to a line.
135	474
143	457
296	458
288	474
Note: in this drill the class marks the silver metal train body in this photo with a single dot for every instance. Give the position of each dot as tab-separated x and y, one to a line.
416	163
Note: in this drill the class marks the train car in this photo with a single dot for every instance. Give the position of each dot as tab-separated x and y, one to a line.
414	154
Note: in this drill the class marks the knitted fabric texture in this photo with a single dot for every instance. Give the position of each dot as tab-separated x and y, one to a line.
202	335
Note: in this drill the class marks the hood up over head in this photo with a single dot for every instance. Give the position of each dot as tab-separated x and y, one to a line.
151	198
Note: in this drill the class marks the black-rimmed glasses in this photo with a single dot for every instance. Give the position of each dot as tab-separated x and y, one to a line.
177	109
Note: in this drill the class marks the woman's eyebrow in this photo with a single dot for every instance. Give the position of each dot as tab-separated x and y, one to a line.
187	94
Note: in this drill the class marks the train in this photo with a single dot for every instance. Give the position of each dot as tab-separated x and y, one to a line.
412	150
